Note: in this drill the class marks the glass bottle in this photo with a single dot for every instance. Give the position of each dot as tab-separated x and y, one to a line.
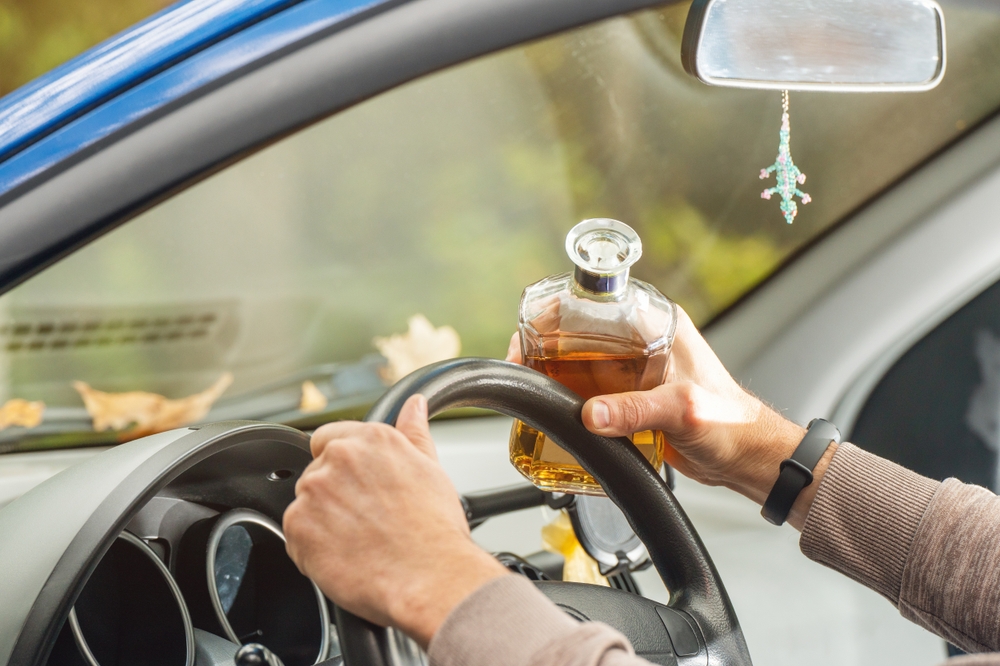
596	331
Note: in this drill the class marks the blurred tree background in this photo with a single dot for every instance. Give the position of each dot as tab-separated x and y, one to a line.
37	35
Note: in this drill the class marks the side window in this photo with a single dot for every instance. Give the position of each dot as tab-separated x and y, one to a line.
937	410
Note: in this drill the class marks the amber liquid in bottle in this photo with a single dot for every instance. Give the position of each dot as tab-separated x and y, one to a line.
588	374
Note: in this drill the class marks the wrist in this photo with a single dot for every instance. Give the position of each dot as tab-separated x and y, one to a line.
762	449
765	455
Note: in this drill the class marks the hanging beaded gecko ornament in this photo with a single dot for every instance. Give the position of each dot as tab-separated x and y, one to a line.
784	168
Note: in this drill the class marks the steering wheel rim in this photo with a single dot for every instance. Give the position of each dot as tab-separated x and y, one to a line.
627	477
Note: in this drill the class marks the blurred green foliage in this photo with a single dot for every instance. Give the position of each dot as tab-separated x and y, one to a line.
37	35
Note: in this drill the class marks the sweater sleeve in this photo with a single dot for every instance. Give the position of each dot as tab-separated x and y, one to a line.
508	622
931	548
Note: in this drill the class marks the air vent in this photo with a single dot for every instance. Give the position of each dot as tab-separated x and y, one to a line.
519	565
94	331
623	580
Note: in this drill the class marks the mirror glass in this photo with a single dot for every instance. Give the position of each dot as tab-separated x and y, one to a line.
835	45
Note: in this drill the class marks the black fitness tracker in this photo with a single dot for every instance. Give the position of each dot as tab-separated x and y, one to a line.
797	471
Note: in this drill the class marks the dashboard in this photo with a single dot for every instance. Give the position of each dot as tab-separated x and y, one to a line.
168	551
183	577
163	551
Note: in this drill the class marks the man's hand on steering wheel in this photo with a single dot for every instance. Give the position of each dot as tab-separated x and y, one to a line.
378	525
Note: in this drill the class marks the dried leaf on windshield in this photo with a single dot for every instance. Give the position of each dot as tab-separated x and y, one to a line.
144	413
579	567
313	399
420	345
19	412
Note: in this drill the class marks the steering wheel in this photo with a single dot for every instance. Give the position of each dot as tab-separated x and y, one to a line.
699	625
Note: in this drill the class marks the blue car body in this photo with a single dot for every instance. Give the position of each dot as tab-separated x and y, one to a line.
182	49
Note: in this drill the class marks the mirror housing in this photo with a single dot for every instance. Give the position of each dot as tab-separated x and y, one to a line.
828	45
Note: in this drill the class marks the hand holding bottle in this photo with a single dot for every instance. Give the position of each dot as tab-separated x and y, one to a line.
595	330
717	432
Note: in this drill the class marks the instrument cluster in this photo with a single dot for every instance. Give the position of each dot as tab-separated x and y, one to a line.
183	576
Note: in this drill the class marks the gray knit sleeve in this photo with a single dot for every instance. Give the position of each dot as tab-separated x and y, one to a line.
932	549
508	622
864	518
951	583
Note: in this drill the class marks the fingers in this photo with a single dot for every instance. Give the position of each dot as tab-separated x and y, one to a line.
514	349
413	423
336	430
668	407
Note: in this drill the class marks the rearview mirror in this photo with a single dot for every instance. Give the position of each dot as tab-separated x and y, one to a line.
831	45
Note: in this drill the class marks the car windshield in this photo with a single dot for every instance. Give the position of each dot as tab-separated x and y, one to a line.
298	283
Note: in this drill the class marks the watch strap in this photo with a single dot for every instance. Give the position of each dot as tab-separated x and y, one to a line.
796	472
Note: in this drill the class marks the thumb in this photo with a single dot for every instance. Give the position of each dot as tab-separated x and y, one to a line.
412	422
618	414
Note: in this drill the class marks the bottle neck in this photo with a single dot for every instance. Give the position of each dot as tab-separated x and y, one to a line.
601	285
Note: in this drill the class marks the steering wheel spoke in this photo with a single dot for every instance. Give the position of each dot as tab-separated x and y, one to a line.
658	633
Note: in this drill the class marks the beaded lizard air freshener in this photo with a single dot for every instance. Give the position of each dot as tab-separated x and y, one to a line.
784	168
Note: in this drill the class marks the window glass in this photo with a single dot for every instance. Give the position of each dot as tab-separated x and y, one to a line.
37	35
444	198
937	410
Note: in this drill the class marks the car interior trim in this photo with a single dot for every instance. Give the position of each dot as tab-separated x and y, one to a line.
852	398
62	519
81	642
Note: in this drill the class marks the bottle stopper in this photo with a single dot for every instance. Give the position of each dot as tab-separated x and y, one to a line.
603	251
